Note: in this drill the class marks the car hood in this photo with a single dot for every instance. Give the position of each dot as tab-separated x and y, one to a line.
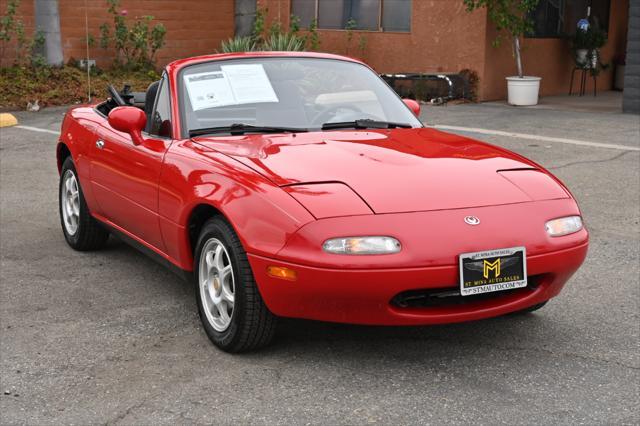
397	170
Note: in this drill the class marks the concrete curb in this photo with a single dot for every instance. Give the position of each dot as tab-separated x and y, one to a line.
7	120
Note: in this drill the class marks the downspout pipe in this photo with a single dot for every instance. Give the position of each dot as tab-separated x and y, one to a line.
245	14
48	22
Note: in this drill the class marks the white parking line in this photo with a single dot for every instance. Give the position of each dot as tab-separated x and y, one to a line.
536	137
37	129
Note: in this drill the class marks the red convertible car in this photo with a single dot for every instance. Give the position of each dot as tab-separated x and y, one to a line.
300	185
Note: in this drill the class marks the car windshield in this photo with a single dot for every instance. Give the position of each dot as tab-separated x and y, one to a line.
288	92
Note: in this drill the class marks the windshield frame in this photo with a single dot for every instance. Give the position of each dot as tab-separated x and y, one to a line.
184	131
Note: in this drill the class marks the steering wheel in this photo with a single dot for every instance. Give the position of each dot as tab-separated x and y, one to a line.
326	114
115	95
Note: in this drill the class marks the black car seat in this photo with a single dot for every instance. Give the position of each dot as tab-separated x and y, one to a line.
149	101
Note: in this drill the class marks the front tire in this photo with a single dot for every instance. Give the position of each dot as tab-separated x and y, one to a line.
230	306
81	231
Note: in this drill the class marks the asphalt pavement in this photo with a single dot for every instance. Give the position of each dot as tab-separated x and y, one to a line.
111	337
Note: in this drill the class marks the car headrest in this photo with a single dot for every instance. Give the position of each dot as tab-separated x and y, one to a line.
149	100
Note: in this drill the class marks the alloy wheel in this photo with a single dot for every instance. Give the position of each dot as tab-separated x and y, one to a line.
70	194
217	285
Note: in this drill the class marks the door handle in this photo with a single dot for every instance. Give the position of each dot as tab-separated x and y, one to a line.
99	144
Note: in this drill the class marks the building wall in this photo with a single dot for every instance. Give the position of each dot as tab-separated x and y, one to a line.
631	102
551	59
26	13
446	38
443	38
194	27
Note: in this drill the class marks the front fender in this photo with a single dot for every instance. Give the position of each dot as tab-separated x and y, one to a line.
263	215
77	135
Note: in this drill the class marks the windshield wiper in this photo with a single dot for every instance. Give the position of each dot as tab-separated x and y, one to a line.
241	129
365	123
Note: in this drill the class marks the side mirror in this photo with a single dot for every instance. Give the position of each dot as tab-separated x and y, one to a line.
413	106
130	120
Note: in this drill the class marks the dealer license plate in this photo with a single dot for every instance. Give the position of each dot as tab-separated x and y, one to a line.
493	270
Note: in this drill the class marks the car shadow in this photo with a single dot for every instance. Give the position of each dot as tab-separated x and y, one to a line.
120	251
307	330
316	339
323	341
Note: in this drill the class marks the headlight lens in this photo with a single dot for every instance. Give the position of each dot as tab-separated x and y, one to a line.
564	226
362	245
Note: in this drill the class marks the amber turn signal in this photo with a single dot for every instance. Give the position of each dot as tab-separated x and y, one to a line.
282	273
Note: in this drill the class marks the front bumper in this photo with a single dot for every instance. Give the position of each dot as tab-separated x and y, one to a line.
364	296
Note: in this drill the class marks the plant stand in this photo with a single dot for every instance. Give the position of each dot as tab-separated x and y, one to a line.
583	81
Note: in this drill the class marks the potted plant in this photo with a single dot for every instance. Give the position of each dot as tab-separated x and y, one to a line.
513	17
585	44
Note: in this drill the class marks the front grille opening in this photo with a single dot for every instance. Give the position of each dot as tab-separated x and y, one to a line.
450	296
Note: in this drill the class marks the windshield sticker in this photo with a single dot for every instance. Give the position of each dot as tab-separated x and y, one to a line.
208	90
250	83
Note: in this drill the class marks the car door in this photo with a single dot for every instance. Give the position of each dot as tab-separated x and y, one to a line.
125	176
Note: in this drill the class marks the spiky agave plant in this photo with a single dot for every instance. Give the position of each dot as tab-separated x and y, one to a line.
284	42
239	44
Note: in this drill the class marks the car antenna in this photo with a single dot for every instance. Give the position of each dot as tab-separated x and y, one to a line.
86	31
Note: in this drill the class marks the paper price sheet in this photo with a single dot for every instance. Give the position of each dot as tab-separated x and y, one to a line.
232	85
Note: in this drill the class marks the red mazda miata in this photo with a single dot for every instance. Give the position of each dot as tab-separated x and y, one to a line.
300	185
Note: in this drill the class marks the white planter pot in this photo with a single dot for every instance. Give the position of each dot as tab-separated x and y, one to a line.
523	91
581	57
587	59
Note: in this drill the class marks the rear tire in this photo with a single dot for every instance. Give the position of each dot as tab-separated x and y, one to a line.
80	229
231	308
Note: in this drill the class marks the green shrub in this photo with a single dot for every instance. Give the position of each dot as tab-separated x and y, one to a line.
510	16
259	25
27	47
63	85
591	39
280	42
275	38
239	44
136	44
312	39
473	80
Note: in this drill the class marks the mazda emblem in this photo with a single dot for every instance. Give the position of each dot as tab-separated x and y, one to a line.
472	220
